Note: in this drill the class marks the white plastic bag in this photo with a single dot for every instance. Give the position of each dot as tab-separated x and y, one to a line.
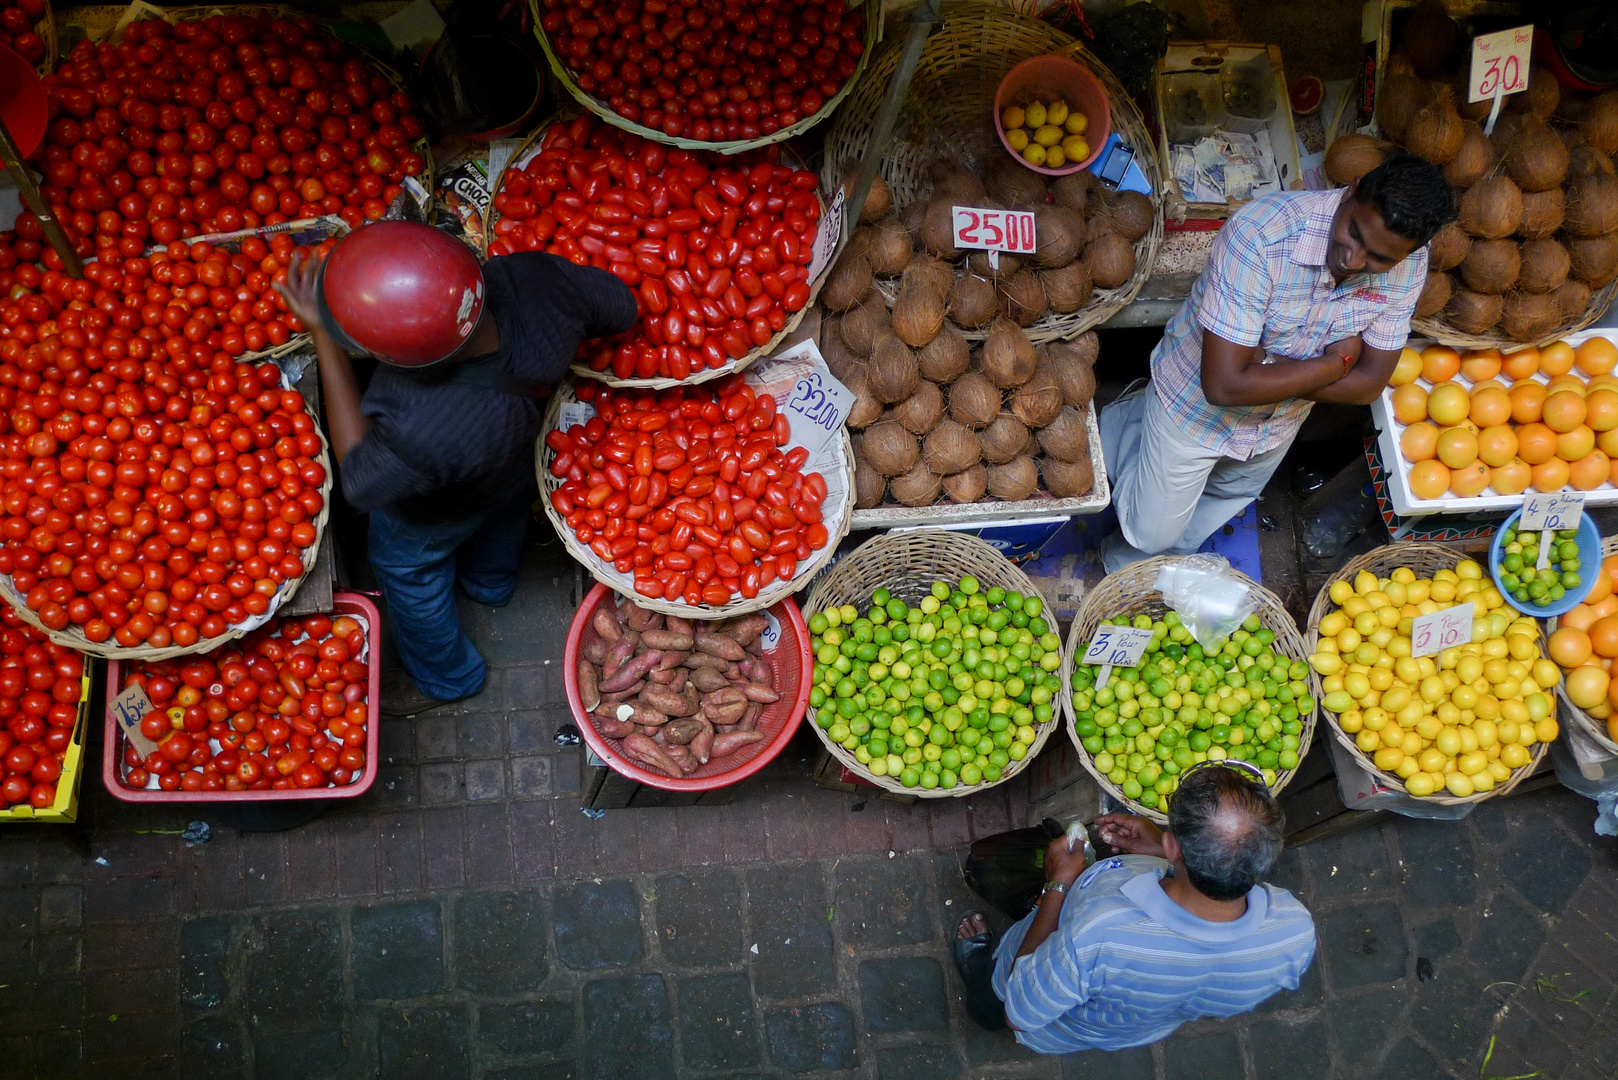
1211	600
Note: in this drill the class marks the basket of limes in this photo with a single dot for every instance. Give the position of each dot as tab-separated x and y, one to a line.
1249	695
935	669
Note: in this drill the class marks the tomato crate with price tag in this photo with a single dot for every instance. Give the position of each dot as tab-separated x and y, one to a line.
60	748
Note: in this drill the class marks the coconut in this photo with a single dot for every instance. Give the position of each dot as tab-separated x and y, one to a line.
917	487
1473	312
1059	236
1037	401
1111	260
918	313
944	358
1592	260
878	201
1468	110
840	359
968	486
892	369
1544	266
938	228
1473	159
973	400
890	448
1067	437
1587	161
1068	479
1004	439
1430	39
1436	131
1351	157
862	323
1076	190
954	182
1014	481
1003	267
1014	186
1008	355
890	247
1073	369
940	273
1542	96
848	281
921	411
1492	207
1530	317
1448	247
1592	206
869	485
1434	296
1535	156
1022	298
1129	213
1572	298
1067	288
1398	101
972	301
951	448
1542	214
912	217
1491	266
1600	122
866	408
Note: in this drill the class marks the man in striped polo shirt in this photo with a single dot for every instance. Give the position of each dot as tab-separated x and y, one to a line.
1179	926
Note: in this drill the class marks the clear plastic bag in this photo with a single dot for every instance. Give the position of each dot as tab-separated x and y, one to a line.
1210	599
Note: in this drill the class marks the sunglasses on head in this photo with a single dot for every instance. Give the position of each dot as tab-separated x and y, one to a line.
1246	769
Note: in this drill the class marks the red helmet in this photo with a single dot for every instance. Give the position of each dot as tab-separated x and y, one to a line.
406	294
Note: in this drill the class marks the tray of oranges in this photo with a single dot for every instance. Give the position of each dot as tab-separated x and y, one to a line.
1472	430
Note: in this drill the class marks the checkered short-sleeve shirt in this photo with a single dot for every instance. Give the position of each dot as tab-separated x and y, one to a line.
1267	284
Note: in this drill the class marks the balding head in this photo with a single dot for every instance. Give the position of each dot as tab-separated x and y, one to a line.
1228	829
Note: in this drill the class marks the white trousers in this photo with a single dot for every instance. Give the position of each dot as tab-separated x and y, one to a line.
1170	491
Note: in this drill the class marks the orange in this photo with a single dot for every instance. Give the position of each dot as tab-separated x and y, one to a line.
1604	380
1511	478
1598	356
1604	637
1480	365
1612	702
1457	447
1407	369
1409	404
1449	404
1564	411
1536	443
1497	445
1601	408
1521	364
1419	442
1569	647
1612	477
1610	565
1485	384
1579	617
1608	441
1556	359
1428	480
1587	687
1590	471
1490	406
1469	481
1527	402
1567	382
1440	362
1550	475
1573	445
1609	606
1600	589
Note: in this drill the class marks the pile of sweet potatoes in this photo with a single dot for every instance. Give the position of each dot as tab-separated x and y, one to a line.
678	692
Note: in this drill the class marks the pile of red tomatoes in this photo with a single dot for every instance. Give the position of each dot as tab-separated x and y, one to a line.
285	709
40	687
17	21
689	490
717	249
215	125
714	70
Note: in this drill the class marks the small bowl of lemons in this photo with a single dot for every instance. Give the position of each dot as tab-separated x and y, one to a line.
1052	114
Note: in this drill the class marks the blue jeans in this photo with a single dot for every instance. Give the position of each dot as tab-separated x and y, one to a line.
418	566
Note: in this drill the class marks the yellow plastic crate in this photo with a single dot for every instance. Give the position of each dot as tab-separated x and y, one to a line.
66	807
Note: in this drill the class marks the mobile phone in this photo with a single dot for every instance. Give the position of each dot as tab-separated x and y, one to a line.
1115	166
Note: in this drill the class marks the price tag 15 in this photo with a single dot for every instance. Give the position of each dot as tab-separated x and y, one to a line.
1554	510
816	407
994	230
1441	630
1118	646
1499	63
129	708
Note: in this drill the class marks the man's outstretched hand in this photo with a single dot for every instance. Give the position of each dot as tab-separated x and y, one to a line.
1130	835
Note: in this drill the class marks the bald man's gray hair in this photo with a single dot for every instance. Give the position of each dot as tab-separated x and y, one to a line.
1229	831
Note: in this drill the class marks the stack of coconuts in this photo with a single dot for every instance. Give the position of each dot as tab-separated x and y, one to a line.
952	398
1538	199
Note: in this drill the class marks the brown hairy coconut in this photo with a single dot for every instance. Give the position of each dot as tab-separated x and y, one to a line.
920	412
1492	207
1398	101
890	247
951	448
913	217
878	201
973	400
863	323
918	313
1434	296
1111	260
1600	122
892	369
945	357
968	486
938	228
954	182
1068	479
840	359
1572	298
1072	363
1529	317
1473	312
1592	259
1436	131
1448	247
890	448
1067	288
1003	267
1352	156
1067	437
1037	401
1014	481
973	301
866	409
1542	214
1022	298
1544	266
869	485
848	281
1592	206
1542	96
1058	236
1129	213
1473	159
1491	266
1535	157
1077	191
1004	439
1014	186
1430	39
1588	161
917	487
935	270
1008	355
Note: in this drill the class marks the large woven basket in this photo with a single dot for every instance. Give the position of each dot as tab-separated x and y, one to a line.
838	509
1425	560
1439	329
1591	726
949	113
46	29
1132	592
828	239
906	564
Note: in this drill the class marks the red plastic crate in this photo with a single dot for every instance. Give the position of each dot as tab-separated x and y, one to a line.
343	603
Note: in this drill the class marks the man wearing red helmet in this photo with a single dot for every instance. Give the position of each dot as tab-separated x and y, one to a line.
440	450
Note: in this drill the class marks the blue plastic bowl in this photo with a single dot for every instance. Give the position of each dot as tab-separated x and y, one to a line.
1589	541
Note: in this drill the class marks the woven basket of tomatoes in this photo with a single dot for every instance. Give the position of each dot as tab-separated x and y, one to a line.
44	693
28	27
701	502
290	712
719	76
725	255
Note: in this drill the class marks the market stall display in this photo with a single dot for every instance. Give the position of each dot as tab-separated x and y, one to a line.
1584	642
724	254
682	705
1561	582
723	76
1248	695
1461	725
935	667
289	713
44	694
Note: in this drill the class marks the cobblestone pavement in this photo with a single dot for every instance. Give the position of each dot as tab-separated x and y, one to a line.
466	920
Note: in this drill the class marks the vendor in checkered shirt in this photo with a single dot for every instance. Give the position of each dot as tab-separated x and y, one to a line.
1307	297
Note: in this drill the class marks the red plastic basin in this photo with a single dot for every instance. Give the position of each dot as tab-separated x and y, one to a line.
790	661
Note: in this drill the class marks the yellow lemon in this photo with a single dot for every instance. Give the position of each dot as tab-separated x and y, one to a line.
1055	157
1018	139
1076	123
1034	115
1048	135
1460	785
1013	118
1056	113
1034	154
1422	784
1075	148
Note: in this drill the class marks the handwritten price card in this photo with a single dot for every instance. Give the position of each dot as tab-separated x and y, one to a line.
994	230
1499	63
1118	646
129	708
1441	630
816	407
1555	511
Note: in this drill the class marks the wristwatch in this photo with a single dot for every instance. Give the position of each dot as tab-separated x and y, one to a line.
1053	887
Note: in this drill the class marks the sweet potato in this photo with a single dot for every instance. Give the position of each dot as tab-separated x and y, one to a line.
708	680
589	686
718	645
644	715
679	625
705	660
702	744
595	650
730	742
606	625
613	728
745	629
667	701
666	639
683	730
682	758
673	658
725	695
649	754
634	669
757	692
639	618
750	716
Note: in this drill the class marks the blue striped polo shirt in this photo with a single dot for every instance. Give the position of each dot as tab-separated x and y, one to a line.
1127	965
